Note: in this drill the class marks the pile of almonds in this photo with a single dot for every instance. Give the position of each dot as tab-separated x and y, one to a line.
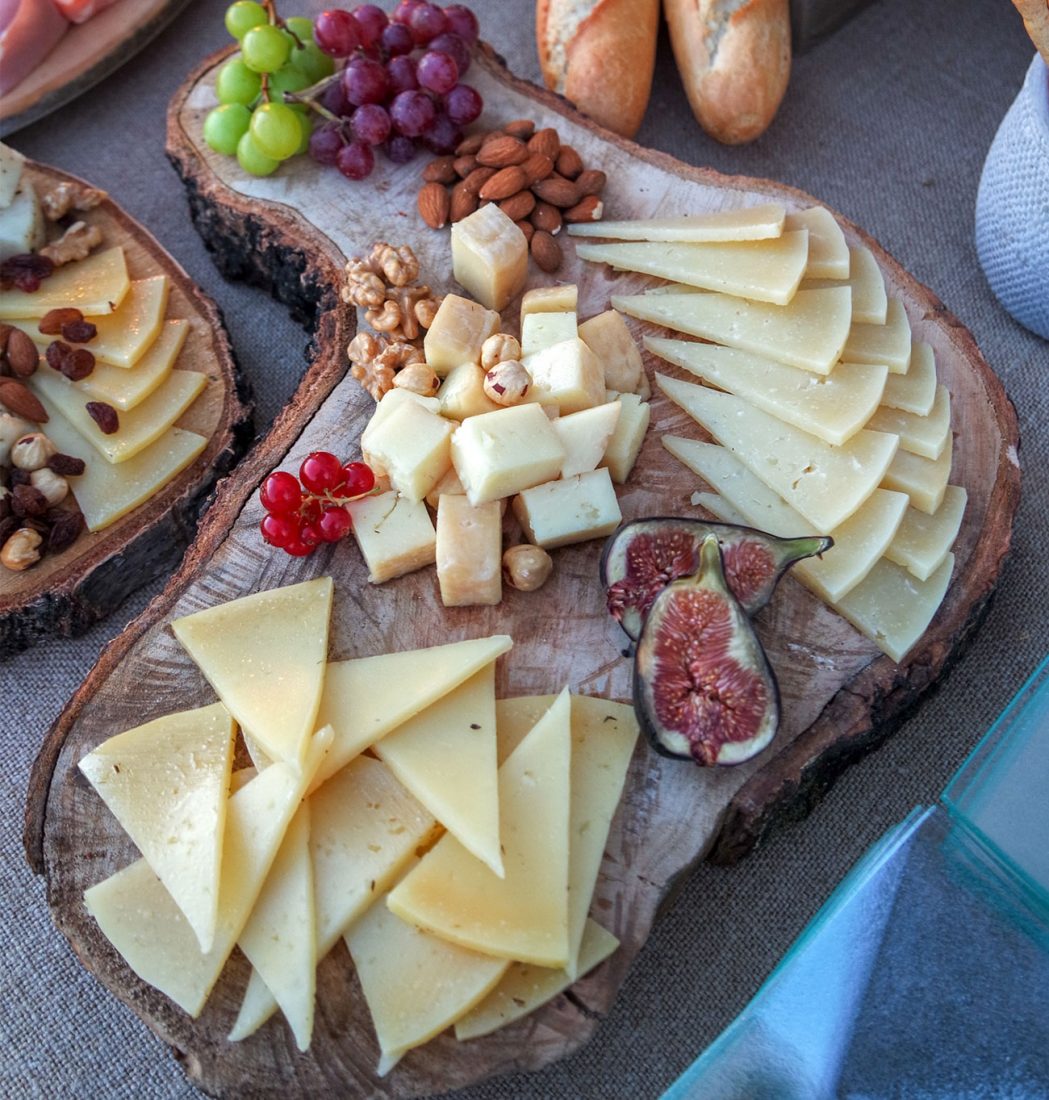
536	181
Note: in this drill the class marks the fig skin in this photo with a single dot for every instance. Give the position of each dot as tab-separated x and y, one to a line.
754	562
703	686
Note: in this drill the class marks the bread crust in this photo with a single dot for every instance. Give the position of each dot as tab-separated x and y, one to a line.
1036	19
734	60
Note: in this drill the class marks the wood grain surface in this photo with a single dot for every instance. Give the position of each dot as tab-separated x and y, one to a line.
840	694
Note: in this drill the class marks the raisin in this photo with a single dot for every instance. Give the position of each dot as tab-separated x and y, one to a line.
56	354
25	271
79	332
66	465
27	501
64	531
105	416
78	364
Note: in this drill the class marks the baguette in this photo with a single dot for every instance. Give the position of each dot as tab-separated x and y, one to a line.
1036	19
600	55
734	60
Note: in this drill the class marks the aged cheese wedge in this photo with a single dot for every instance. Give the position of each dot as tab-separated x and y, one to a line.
894	609
136	914
280	938
445	756
833	406
365	698
105	492
265	655
858	542
921	435
915	391
139	427
524	988
924	480
585	436
825	484
922	542
809	333
124	389
889	343
603	738
523	916
763	271
828	252
720	508
416	984
95	286
870	302
394	535
745	223
167	784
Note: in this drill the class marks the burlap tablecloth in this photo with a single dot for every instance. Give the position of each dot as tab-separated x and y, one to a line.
888	122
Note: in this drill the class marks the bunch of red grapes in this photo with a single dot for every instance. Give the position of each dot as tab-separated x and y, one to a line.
304	511
400	86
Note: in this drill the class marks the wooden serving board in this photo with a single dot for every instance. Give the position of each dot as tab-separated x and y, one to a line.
840	695
68	592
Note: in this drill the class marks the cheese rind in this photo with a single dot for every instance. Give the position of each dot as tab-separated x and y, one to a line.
889	343
94	285
12	164
469	552
870	302
915	391
923	541
746	223
921	435
828	254
22	225
562	298
570	510
394	535
489	256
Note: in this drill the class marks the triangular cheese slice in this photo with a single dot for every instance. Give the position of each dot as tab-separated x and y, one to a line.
921	435
523	916
266	655
280	938
364	699
167	783
870	302
446	757
889	343
923	541
828	252
741	223
915	391
924	480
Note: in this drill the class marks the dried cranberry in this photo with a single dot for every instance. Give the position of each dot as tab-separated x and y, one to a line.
105	416
79	332
66	465
25	271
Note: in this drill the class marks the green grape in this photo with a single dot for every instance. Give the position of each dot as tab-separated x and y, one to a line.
225	126
242	16
313	61
301	27
252	160
265	49
275	130
236	83
306	126
288	79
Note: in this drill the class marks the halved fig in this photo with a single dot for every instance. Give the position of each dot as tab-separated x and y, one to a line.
643	557
703	687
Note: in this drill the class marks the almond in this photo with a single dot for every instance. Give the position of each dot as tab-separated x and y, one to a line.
478	178
434	204
557	191
537	167
521	128
545	251
506	182
464	166
526	228
591	182
518	206
546	142
588	209
569	162
468	146
547	217
463	203
19	400
502	151
22	355
441	170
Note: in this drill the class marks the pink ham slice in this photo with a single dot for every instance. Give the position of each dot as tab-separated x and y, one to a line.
31	28
80	11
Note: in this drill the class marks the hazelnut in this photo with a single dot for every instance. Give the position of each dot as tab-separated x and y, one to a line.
32	451
526	567
499	349
52	485
21	550
419	378
12	428
507	383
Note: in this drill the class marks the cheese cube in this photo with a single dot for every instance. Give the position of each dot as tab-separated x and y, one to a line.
395	535
501	453
608	337
449	485
469	552
391	401
457	333
585	436
462	393
21	223
550	299
567	375
489	256
412	445
623	447
11	165
543	330
573	510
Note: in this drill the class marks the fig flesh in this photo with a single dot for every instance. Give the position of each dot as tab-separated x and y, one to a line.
643	557
703	687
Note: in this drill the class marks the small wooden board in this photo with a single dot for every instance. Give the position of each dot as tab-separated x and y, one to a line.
68	592
841	697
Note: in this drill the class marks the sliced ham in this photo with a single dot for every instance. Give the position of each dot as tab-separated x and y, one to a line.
32	29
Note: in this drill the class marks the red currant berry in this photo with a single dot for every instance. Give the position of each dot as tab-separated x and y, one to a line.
334	524
281	493
321	472
279	530
298	549
311	535
359	479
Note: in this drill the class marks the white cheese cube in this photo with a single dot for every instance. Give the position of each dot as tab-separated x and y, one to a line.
449	485
489	256
395	535
543	330
462	393
501	453
608	337
413	446
567	375
623	447
585	436
457	333
572	510
11	164
22	227
469	552
550	299
391	401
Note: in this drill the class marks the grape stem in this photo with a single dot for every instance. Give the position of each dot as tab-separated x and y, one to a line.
275	20
311	95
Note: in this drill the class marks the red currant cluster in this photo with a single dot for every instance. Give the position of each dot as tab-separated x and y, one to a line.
304	511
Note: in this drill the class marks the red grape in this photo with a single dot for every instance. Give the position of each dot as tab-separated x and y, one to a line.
321	472
463	104
365	81
371	124
437	72
371	21
456	48
325	143
279	530
463	22
403	12
281	493
397	40
443	136
359	478
412	113
336	32
400	149
401	72
355	161
334	523
427	21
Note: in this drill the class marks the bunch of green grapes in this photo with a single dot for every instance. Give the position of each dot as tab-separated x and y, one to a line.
276	56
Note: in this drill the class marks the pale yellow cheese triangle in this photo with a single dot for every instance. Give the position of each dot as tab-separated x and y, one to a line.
747	223
924	480
921	435
870	302
446	757
256	1007
280	938
265	655
124	389
524	988
93	285
923	541
167	783
828	251
523	916
364	699
889	343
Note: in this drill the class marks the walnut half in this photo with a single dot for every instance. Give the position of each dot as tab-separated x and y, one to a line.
75	244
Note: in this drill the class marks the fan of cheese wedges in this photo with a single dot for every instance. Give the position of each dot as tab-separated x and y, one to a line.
826	412
453	840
